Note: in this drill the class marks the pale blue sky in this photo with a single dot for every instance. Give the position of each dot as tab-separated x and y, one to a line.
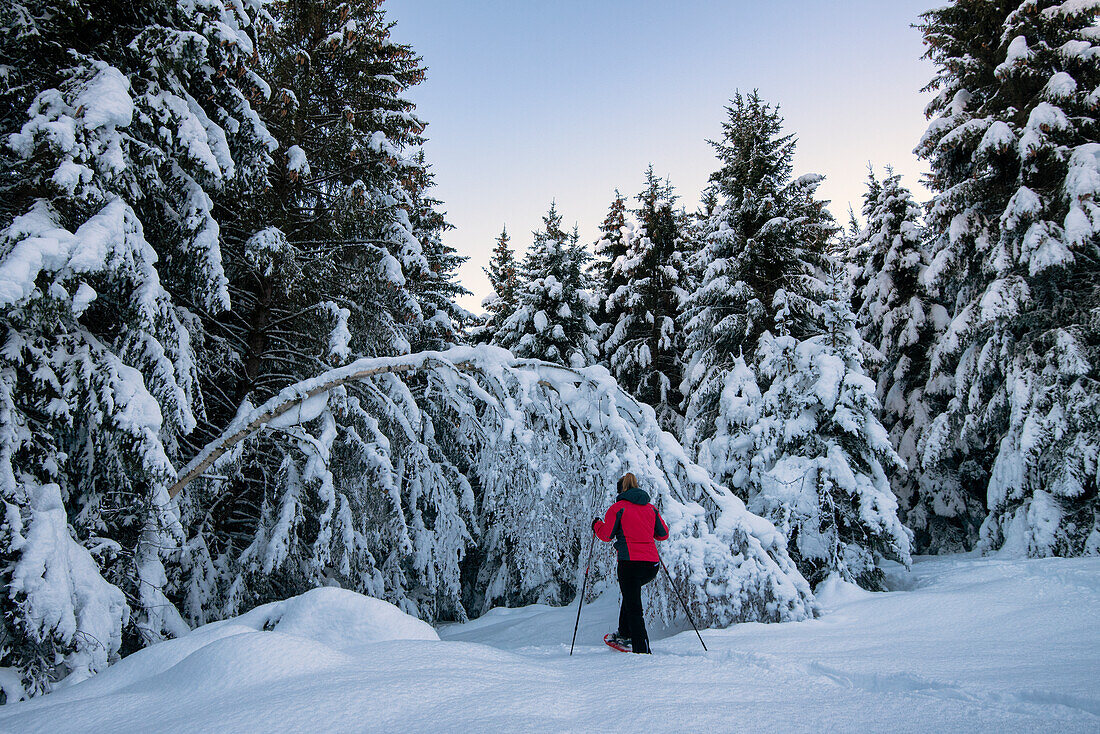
532	101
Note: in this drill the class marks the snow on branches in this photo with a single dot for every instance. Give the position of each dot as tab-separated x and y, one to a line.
1013	151
541	446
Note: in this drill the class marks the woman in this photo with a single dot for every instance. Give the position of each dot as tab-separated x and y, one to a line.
634	524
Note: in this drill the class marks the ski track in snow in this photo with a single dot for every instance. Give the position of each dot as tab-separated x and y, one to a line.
964	644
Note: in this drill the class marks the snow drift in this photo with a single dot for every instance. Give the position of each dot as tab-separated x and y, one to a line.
294	637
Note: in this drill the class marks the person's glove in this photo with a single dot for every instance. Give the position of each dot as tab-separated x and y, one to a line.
594	521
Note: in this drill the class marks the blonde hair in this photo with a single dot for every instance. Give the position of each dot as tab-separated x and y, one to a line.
629	481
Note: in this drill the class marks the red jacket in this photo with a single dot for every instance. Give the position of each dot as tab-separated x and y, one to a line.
634	524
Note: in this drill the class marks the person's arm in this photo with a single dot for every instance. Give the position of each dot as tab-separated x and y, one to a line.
604	528
660	529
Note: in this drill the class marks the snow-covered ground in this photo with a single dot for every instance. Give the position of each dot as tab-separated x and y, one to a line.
963	644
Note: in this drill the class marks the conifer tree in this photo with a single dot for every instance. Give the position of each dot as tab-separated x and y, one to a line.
899	320
853	224
612	245
122	121
504	277
553	319
843	250
695	231
800	440
341	257
643	345
765	235
858	250
782	411
821	456
433	281
1014	381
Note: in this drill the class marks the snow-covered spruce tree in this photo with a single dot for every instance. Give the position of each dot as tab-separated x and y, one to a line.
819	455
1015	158
728	452
643	346
843	248
694	232
605	280
553	320
858	251
842	245
340	258
120	121
612	244
504	277
853	228
899	320
765	234
433	282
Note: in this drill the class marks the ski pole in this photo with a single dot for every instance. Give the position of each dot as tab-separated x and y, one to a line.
684	603
587	565
584	586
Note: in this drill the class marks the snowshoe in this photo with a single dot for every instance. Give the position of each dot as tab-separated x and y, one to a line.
612	640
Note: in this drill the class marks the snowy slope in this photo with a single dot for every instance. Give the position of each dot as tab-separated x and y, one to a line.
964	644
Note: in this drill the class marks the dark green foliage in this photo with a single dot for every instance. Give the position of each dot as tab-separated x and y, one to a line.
901	322
643	345
119	121
341	256
605	279
764	238
1012	148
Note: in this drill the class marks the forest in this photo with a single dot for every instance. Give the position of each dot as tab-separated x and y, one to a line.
233	367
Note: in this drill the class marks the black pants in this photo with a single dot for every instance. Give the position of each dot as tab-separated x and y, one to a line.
633	575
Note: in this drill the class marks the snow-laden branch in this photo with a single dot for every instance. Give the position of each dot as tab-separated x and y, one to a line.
551	440
302	402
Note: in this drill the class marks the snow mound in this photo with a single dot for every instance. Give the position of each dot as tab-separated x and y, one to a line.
337	618
300	636
834	591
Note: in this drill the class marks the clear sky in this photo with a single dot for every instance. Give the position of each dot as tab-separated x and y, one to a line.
531	100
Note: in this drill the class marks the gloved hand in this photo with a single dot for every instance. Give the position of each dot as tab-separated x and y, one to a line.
594	521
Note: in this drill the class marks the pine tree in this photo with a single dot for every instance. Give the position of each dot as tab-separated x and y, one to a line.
819	457
901	322
782	411
121	123
764	236
728	452
858	250
553	320
843	249
1014	380
853	224
433	284
612	245
800	440
643	346
504	277
341	257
